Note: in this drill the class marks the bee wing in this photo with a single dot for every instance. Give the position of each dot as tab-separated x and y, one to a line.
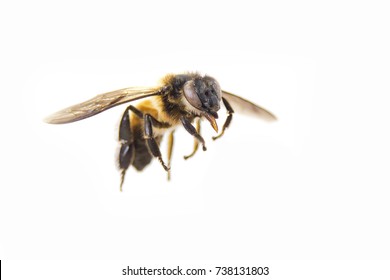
99	104
246	107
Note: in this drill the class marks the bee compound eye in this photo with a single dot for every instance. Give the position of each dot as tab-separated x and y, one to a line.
217	89
191	95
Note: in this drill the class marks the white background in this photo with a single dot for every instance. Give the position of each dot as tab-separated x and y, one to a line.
312	186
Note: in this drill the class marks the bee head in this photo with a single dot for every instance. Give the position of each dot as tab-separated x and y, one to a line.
204	94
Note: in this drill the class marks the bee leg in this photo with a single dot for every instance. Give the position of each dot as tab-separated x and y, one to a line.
137	112
191	130
229	118
196	142
170	145
149	122
127	150
155	122
150	140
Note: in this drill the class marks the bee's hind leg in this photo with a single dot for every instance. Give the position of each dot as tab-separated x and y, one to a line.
127	150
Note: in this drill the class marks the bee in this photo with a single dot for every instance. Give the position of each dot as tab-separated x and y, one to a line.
182	99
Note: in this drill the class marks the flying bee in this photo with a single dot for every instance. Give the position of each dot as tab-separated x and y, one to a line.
181	99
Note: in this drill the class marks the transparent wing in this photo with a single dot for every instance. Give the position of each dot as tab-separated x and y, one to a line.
100	103
245	107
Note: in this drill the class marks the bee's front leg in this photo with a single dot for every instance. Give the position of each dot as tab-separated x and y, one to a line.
196	142
229	118
192	130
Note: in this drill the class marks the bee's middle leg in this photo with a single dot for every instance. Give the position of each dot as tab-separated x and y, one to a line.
149	122
170	146
155	122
